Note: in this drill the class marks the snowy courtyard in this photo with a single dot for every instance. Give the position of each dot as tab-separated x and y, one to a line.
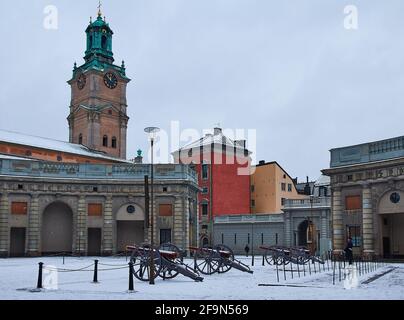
18	279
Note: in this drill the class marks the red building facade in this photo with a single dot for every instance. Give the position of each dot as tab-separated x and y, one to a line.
223	168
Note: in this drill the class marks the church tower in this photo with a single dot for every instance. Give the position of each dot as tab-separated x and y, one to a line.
98	117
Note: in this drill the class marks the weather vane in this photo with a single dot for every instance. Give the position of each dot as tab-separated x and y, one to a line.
99	8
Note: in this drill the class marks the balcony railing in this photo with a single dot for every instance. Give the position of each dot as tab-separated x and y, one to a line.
30	168
305	203
250	218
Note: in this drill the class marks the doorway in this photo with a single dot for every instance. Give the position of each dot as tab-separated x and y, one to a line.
94	242
17	242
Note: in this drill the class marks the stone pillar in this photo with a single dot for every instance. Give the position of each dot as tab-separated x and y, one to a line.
367	220
288	235
34	230
108	247
4	227
81	226
324	225
337	221
178	223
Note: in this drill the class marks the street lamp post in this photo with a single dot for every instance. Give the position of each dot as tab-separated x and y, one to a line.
152	131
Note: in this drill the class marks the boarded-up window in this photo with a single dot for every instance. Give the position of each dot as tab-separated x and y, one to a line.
19	208
353	203
95	209
166	210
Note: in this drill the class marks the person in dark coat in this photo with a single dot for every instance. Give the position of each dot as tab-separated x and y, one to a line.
247	249
348	250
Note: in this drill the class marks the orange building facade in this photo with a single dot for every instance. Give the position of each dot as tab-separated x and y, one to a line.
271	185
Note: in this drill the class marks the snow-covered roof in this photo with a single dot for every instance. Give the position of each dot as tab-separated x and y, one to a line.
208	139
322	181
8	157
50	144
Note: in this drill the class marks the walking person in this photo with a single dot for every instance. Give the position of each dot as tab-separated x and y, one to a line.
246	249
348	250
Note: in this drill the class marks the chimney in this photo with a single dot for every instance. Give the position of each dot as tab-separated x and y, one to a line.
262	162
217	131
240	143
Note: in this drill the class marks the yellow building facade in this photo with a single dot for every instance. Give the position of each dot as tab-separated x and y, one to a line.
270	187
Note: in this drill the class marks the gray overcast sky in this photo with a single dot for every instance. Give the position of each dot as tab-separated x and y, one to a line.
288	69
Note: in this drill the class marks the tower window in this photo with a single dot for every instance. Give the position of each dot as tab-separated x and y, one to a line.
114	142
80	139
90	42
105	141
104	42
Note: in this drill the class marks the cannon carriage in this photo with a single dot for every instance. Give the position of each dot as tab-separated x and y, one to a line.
168	262
220	259
278	255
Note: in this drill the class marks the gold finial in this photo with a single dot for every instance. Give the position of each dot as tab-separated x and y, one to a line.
99	8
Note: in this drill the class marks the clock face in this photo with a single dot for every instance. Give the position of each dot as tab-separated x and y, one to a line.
81	81
110	80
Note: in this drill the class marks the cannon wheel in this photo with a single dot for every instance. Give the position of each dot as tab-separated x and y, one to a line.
207	260
165	272
224	267
141	263
269	258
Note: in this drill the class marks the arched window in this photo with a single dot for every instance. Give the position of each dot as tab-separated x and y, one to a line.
104	42
105	141
114	142
80	139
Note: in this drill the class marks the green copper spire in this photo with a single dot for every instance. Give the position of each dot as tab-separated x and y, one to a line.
99	40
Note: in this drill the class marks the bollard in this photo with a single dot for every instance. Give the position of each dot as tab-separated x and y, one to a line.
252	256
39	284
63	258
131	286
339	271
291	268
95	278
263	262
304	269
309	268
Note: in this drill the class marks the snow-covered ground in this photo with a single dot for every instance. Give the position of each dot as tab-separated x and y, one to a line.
19	276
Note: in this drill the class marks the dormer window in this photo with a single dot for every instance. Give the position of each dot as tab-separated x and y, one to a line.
80	139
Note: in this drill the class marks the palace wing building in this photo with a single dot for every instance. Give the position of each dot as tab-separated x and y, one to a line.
367	182
83	196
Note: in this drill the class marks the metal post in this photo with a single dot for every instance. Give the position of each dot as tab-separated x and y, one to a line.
39	284
277	271
309	268
298	271
95	278
131	287
263	261
284	270
333	272
152	218
304	269
252	243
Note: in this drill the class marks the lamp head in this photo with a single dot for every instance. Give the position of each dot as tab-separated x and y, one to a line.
152	131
